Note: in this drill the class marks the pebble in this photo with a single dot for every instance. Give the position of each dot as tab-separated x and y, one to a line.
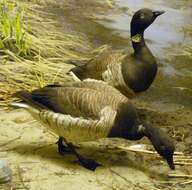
5	172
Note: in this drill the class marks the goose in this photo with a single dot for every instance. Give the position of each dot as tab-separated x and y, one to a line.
129	73
89	110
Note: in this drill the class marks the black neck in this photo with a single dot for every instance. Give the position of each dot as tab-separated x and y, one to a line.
137	46
126	123
148	131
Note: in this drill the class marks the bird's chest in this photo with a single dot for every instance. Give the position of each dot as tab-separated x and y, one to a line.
139	75
114	77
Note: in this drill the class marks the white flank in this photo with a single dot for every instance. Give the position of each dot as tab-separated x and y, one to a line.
19	105
73	129
75	78
77	129
94	80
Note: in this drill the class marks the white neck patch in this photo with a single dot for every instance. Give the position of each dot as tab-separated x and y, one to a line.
136	38
141	128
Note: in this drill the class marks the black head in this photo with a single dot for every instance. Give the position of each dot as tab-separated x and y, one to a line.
142	19
162	143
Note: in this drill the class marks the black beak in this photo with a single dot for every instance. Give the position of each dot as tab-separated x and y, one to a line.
158	13
171	163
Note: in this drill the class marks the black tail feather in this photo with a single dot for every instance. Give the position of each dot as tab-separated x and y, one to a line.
79	72
27	97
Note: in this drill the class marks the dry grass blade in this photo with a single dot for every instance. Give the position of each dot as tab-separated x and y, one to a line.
179	176
143	149
184	160
183	163
49	48
186	182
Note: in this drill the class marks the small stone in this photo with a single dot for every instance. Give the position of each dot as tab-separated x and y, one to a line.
5	172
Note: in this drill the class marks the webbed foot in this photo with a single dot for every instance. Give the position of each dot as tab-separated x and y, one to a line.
68	148
88	163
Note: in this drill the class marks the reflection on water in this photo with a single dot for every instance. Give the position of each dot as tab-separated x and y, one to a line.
167	37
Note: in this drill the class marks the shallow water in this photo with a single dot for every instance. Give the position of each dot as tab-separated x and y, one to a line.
167	38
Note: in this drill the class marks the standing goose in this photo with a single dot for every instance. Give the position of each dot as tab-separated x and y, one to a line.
90	110
130	73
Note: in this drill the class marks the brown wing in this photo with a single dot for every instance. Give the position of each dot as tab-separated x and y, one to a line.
94	85
74	100
95	67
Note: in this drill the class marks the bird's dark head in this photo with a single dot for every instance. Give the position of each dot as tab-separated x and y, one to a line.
142	19
162	143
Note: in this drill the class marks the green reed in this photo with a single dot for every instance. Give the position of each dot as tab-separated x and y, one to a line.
13	35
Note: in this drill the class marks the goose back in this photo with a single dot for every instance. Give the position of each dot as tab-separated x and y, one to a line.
76	101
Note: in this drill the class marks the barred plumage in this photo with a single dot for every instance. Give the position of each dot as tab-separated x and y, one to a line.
78	111
89	110
114	77
77	129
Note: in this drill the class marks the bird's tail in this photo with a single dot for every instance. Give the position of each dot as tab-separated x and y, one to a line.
78	72
19	105
27	99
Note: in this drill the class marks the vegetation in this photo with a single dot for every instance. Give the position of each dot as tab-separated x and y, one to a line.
13	34
34	48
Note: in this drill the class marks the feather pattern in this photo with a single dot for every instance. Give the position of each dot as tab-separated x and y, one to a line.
96	85
79	111
97	66
114	77
77	101
77	129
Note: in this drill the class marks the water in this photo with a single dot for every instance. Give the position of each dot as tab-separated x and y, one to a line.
167	38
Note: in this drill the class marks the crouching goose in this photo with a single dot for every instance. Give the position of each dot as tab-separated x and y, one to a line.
89	110
130	73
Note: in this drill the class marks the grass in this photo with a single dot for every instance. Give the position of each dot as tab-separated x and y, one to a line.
13	33
34	48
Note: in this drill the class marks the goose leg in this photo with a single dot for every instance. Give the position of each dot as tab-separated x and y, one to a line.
63	149
85	162
69	148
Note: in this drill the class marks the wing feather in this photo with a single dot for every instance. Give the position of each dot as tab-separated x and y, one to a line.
83	102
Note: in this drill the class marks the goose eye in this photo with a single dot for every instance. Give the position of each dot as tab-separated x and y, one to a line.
142	16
